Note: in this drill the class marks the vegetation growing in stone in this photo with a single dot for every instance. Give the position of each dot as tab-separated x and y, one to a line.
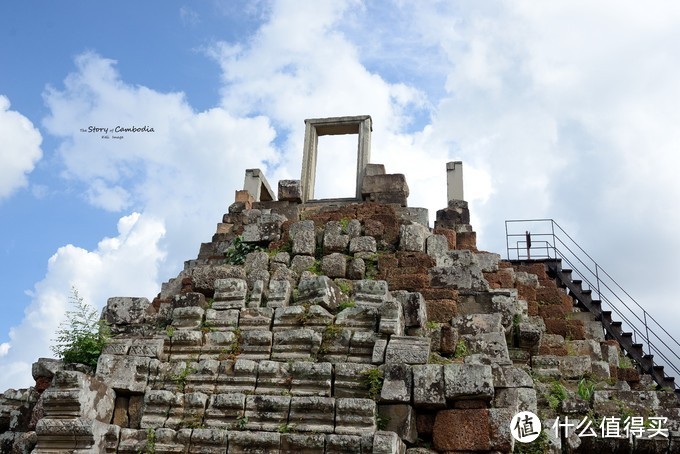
461	350
285	428
436	358
180	379
150	441
344	286
371	269
556	393
236	254
381	421
586	388
170	331
303	317
539	446
373	380
432	325
241	422
315	268
329	335
346	305
82	336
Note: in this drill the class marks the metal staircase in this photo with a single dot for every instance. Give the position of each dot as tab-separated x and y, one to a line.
640	336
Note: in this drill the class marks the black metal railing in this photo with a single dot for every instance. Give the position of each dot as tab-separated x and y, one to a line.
545	239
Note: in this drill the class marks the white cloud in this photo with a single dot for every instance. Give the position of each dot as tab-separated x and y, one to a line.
125	265
562	109
19	148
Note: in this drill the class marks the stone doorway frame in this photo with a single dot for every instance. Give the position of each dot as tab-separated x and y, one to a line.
316	127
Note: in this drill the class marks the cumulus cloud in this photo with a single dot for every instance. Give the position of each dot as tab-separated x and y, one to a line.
554	112
124	265
19	148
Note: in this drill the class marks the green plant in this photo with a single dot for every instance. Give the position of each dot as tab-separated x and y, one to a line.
303	317
315	268
381	421
461	349
516	320
432	325
170	331
346	305
371	269
180	379
436	358
207	326
241	422
82	336
556	393
236	254
373	380
285	428
150	441
344	286
625	362
235	346
539	446
344	222
209	302
586	388
329	335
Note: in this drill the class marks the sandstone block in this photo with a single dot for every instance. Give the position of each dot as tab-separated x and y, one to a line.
125	313
371	293
342	444
363	244
290	191
266	413
428	386
299	344
312	414
230	293
356	269
354	416
280	293
413	237
304	243
388	442
311	379
391	318
407	350
254	442
124	373
224	410
436	246
334	265
319	290
468	381
303	443
397	384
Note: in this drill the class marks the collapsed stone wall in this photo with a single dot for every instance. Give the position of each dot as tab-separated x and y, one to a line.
356	329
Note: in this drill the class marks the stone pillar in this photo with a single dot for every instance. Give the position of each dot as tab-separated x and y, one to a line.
258	186
454	180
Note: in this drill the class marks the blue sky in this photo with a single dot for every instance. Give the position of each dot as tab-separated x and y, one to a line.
562	109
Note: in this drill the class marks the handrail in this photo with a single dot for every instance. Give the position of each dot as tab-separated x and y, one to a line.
536	239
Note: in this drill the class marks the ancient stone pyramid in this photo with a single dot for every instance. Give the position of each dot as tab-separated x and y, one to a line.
341	326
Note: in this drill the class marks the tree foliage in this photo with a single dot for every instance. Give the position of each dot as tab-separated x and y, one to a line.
81	337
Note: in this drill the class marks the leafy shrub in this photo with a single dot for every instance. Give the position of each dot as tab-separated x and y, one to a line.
236	254
82	336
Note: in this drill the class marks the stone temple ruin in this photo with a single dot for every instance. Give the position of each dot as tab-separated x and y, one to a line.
340	326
